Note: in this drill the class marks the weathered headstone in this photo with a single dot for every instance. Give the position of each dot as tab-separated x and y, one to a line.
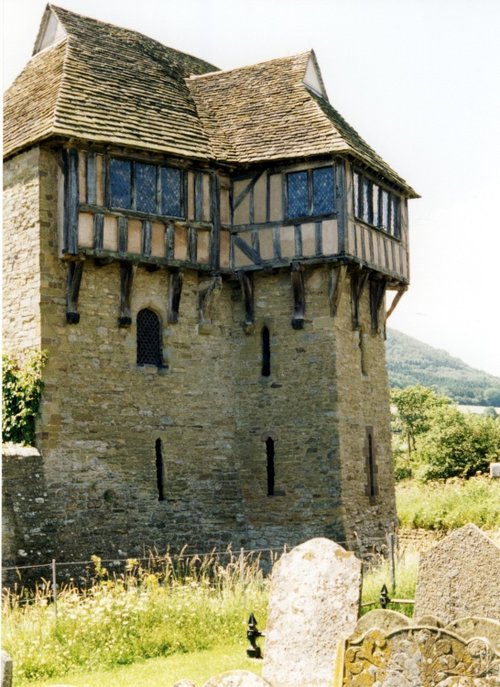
237	678
313	604
459	577
6	670
417	657
382	619
477	627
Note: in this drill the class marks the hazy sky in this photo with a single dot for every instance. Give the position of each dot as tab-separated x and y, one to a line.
419	80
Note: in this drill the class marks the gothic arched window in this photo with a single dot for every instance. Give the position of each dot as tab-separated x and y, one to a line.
149	344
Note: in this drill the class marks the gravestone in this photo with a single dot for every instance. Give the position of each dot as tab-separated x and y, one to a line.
418	657
477	627
382	619
237	678
313	604
6	670
459	577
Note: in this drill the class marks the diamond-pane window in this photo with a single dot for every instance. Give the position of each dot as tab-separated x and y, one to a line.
120	184
323	191
145	188
384	210
171	191
148	338
297	193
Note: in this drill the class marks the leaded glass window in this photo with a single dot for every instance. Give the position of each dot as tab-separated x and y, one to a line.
136	186
171	191
149	345
297	194
145	188
323	191
376	206
120	183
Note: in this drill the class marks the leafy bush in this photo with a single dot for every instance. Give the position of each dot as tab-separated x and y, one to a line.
458	445
21	393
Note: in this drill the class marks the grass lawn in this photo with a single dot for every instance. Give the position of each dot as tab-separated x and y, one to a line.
162	672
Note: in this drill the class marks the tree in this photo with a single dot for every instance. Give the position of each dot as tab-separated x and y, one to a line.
415	406
457	444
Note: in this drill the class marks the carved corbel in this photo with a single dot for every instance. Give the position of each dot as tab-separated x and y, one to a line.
358	283
377	293
246	284
174	299
207	295
126	281
75	272
299	296
335	285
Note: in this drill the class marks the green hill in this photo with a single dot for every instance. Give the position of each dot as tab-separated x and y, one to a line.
411	362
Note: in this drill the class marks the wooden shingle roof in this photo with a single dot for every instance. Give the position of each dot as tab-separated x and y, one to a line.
107	84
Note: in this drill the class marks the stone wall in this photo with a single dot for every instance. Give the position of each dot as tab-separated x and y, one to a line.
210	406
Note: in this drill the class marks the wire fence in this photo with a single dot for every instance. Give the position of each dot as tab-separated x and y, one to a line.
53	576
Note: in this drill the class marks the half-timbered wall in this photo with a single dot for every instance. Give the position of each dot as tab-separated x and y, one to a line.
270	228
129	208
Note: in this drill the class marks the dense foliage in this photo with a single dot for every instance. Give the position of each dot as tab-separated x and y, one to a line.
411	362
434	440
21	393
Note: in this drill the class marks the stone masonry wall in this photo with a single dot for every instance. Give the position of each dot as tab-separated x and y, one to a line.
21	274
212	410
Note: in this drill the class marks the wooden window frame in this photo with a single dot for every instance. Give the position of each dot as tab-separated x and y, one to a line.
132	206
310	194
363	205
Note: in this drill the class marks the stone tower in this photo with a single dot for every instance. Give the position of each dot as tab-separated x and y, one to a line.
204	256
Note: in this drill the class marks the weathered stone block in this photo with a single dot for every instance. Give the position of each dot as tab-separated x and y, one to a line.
314	603
459	577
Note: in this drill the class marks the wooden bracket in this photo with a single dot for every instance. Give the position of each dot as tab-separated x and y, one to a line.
335	285
207	294
358	283
246	283
299	296
126	280
401	290
377	293
75	271
175	292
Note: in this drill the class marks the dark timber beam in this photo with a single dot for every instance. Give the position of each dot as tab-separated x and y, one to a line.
299	296
246	283
174	300
401	290
377	293
126	280
75	272
71	201
358	283
335	286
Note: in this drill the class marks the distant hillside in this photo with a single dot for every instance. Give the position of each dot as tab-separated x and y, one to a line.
411	362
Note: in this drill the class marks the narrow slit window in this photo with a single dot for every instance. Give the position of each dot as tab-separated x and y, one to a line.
270	466
149	346
160	473
371	467
266	352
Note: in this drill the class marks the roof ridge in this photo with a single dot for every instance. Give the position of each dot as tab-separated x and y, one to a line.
220	72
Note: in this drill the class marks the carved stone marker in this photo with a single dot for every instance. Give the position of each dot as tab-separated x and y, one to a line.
237	678
418	657
381	619
314	603
459	577
6	670
477	627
